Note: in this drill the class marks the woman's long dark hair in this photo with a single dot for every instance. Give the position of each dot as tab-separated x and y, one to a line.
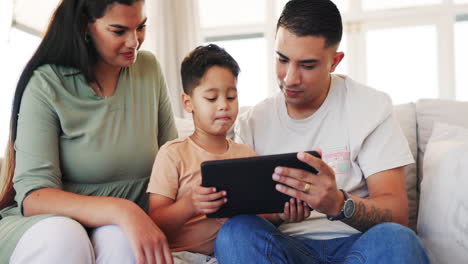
64	43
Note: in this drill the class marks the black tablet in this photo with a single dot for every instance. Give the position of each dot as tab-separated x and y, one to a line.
249	184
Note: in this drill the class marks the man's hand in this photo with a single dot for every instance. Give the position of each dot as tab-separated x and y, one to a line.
319	190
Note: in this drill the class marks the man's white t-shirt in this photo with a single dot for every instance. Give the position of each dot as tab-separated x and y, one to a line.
355	129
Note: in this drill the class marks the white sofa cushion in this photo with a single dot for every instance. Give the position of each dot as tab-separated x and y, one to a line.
406	116
184	126
429	111
443	210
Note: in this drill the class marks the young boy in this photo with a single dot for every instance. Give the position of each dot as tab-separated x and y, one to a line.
178	203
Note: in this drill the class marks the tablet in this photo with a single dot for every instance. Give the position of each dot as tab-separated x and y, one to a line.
249	184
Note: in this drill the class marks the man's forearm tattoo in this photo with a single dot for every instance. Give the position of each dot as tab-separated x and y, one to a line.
365	218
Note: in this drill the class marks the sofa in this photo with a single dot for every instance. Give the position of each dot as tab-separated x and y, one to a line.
437	132
436	182
428	200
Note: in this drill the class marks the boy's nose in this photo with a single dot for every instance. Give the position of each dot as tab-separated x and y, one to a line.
223	105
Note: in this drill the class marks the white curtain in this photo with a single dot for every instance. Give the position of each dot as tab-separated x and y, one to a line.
172	31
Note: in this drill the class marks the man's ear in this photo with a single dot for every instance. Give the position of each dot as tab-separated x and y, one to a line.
337	58
187	103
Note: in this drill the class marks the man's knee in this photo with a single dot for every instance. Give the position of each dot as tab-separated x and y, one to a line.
393	232
389	243
237	229
54	240
240	225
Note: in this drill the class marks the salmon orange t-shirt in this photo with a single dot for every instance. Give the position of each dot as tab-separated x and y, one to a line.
175	171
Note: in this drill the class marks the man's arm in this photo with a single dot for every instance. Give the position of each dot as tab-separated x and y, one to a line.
387	200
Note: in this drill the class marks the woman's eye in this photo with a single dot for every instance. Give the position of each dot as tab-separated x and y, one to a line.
282	60
119	32
232	98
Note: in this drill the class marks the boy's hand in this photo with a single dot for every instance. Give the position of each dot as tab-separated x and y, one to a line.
206	200
295	211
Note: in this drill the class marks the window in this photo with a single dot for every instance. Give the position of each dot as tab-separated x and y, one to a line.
246	30
403	53
218	13
249	54
382	5
461	58
20	47
240	27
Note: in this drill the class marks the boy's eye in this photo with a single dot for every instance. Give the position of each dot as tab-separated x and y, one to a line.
232	98
119	32
211	99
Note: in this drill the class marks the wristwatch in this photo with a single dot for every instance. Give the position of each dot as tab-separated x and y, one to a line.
348	208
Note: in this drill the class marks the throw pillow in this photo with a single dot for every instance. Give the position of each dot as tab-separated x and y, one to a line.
443	207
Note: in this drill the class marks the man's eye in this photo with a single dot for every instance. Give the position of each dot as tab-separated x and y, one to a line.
281	60
308	67
140	28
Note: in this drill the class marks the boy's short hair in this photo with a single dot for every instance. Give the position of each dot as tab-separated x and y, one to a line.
199	60
318	18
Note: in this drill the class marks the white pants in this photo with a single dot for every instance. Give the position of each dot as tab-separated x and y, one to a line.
63	240
185	257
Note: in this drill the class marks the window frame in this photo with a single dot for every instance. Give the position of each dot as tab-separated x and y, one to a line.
356	22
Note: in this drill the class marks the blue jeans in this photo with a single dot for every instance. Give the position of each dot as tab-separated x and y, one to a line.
250	239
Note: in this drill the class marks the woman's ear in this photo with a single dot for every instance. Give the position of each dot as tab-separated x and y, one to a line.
187	103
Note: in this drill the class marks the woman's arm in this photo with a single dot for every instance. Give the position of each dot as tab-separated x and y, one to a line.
146	239
91	211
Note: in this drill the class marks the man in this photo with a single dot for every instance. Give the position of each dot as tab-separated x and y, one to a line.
358	195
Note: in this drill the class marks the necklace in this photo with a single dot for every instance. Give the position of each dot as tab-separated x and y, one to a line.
101	91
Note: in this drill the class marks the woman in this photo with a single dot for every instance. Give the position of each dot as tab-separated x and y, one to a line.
89	115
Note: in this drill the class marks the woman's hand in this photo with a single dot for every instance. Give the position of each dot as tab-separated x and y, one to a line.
295	211
148	242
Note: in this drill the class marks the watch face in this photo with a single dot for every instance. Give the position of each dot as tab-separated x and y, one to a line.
348	208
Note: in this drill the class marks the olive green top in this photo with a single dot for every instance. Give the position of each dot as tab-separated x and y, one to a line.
71	139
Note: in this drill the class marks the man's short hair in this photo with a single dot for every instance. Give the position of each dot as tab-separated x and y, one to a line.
318	18
200	60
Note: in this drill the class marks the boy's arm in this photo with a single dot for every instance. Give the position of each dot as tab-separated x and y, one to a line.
168	214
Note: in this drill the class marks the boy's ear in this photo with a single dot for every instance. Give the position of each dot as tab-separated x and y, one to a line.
187	103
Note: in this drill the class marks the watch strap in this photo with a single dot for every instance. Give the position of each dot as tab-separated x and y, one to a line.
342	214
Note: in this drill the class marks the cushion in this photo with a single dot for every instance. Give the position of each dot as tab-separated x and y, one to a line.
406	116
184	126
429	111
443	207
